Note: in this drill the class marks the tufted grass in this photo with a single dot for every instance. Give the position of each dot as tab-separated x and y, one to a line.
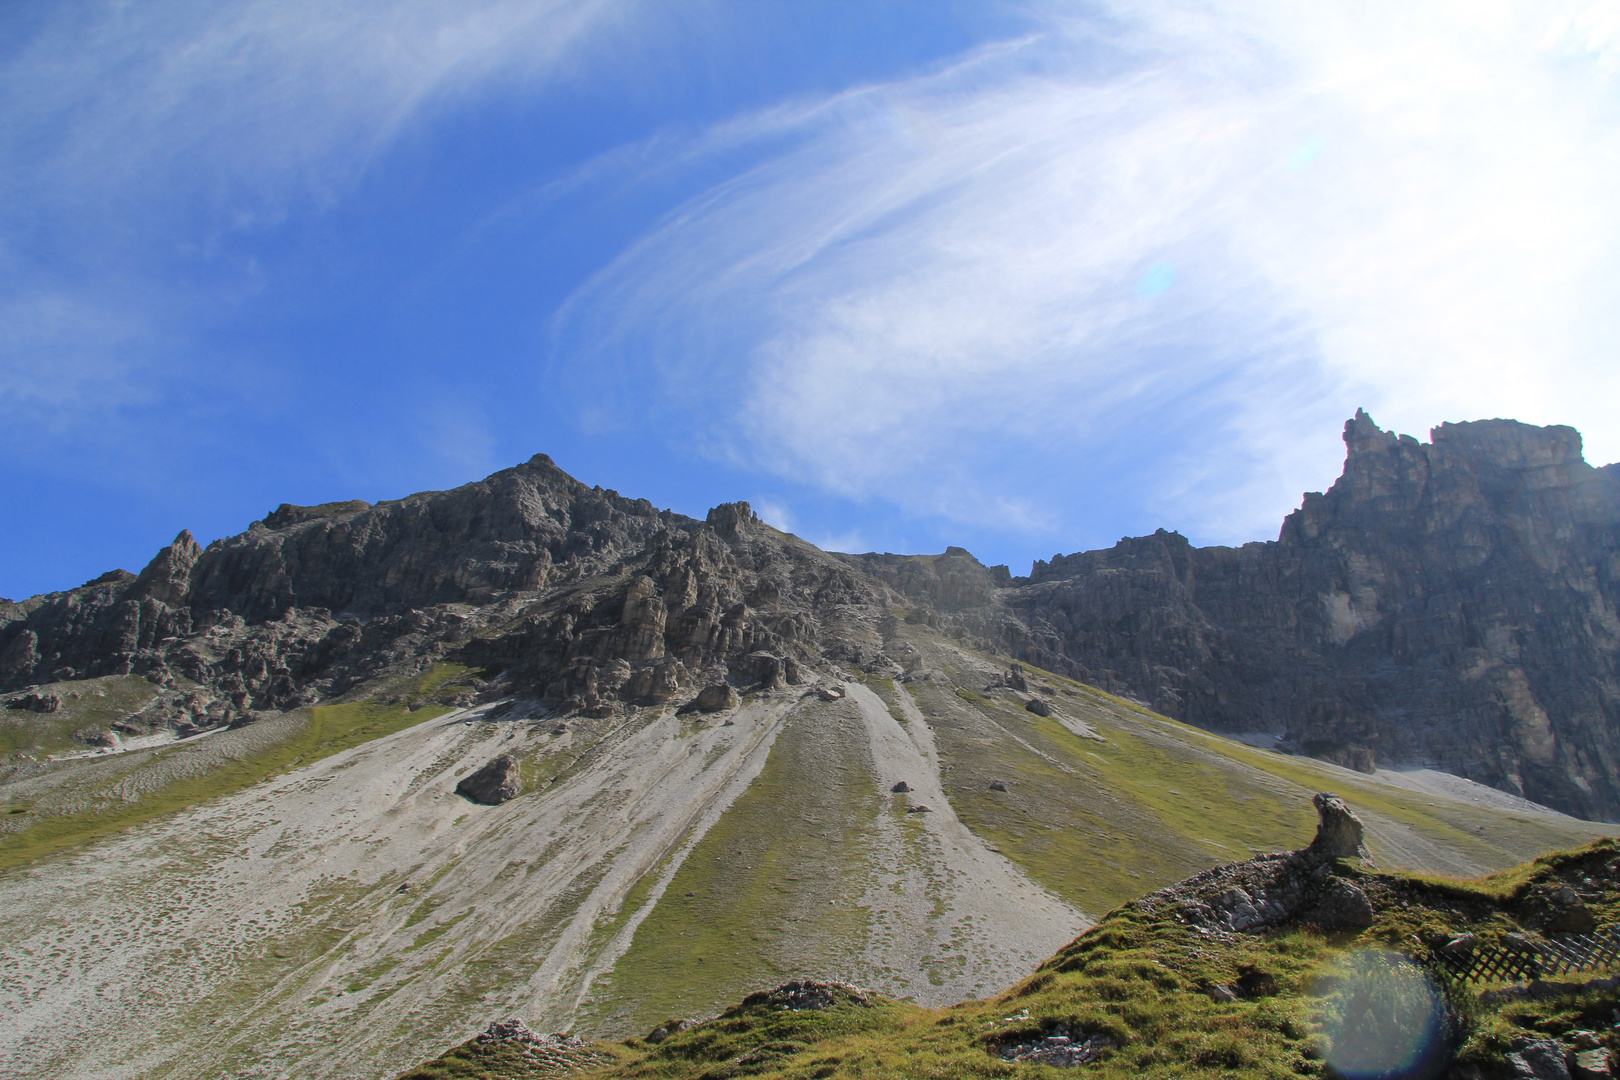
1144	979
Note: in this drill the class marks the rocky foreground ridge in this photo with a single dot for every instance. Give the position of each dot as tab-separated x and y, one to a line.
1304	963
1452	603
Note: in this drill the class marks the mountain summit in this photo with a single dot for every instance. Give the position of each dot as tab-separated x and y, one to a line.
1450	604
323	798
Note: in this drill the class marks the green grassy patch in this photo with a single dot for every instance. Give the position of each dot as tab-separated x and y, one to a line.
1490	837
785	863
85	703
1158	800
1098	823
1171	1001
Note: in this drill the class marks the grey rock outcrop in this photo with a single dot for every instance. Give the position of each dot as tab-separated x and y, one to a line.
1454	603
1339	833
495	783
579	597
1271	890
802	995
1540	1059
717	698
1343	907
1591	1065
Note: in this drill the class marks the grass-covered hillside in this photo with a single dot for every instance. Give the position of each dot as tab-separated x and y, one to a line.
1150	992
310	895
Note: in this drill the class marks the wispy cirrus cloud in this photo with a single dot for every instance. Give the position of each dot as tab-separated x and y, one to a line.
237	107
1165	246
142	139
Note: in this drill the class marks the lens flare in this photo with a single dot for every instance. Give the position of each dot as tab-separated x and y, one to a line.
1156	280
1308	151
1385	1020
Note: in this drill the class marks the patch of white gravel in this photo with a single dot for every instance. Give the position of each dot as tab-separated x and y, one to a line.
952	919
353	917
1459	789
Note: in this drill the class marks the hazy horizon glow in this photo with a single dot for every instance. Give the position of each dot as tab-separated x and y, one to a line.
1022	277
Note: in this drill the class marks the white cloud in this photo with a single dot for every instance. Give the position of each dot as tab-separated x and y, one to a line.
243	101
139	137
775	513
1204	231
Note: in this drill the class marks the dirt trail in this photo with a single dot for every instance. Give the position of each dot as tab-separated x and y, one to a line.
343	919
974	919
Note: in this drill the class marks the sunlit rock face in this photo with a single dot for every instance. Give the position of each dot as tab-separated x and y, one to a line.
1452	603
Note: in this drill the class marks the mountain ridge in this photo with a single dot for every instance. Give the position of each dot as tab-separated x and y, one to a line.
1453	604
727	758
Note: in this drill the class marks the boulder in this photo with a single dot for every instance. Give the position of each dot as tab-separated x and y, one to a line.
1592	1065
40	703
1569	915
803	995
1338	830
769	670
494	784
665	1030
902	787
831	693
997	785
1343	907
1038	706
1010	680
717	698
1540	1059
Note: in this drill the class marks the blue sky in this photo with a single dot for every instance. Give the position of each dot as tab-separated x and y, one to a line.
1025	277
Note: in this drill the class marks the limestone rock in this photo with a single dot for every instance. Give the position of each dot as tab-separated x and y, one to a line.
732	520
1447	602
1541	1059
664	1031
1038	706
835	692
495	783
19	658
1344	907
1568	914
948	583
1338	831
36	702
1592	1065
1012	679
804	994
717	698
167	578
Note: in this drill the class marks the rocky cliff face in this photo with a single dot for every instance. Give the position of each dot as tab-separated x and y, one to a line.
577	596
1452	603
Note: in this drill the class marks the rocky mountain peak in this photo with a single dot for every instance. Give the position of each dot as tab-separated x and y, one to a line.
730	520
167	578
1454	603
1509	444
